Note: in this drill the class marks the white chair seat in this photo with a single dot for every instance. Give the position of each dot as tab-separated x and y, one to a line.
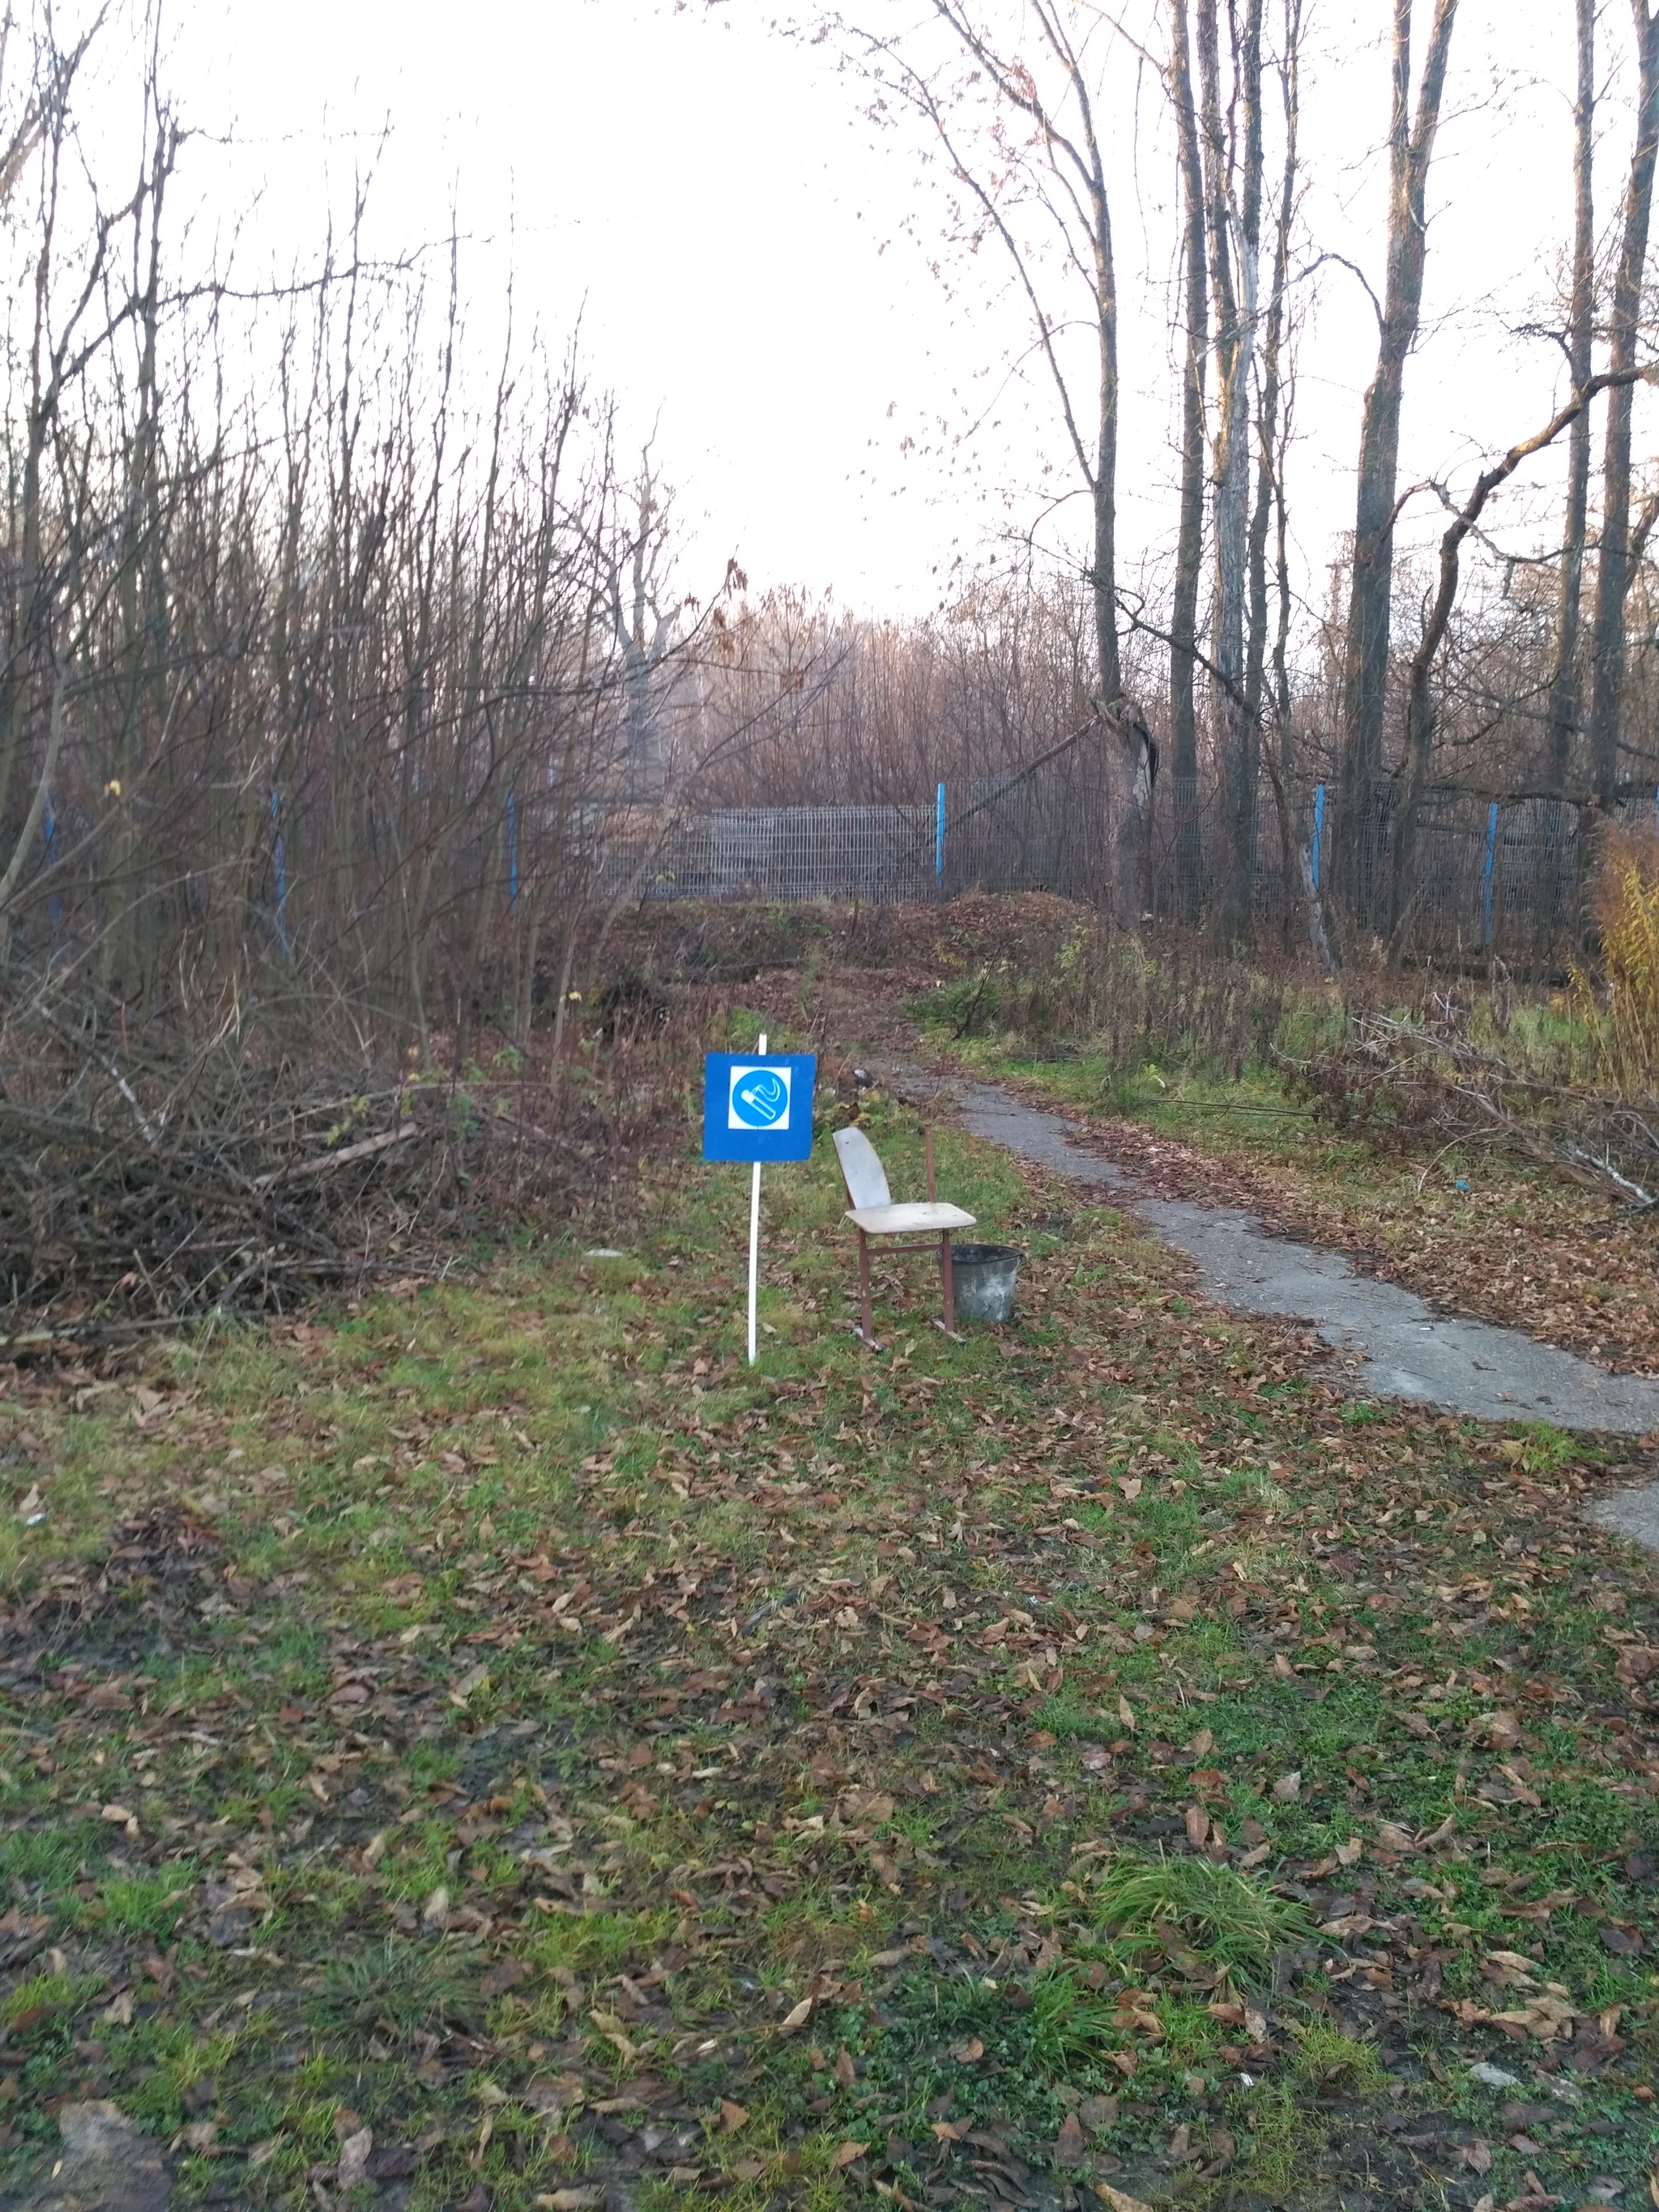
920	1217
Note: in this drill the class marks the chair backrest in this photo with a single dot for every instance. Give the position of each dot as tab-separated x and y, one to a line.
861	1170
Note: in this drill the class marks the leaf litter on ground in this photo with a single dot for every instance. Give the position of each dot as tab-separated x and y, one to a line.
894	1752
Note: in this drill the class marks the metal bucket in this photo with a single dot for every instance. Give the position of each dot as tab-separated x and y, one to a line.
984	1277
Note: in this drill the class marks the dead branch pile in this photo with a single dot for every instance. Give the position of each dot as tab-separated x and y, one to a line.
1420	1082
157	1183
142	1180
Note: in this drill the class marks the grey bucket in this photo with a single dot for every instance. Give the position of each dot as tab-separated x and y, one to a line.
984	1277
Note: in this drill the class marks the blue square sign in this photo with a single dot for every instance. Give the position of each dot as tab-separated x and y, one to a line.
758	1106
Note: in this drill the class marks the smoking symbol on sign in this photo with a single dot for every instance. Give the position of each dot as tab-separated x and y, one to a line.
759	1098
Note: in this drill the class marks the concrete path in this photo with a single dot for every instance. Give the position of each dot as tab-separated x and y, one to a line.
1398	1347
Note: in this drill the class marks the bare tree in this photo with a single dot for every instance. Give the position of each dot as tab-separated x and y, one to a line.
1189	545
1233	180
1419	712
644	623
1563	706
1366	661
1614	564
1272	506
1056	163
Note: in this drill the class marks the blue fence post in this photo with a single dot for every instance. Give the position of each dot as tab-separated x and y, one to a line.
1319	829
279	849
939	838
1486	886
512	854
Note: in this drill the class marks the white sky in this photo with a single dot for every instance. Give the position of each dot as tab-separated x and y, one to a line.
752	259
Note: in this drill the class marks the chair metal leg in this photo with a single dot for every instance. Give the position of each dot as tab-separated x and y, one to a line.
947	1276
869	1332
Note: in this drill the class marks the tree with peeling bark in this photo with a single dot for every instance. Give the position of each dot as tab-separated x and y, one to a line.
1616	563
1365	657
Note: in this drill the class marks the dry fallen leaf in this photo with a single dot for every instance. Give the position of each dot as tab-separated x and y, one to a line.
506	1976
1287	1790
733	2116
848	2152
1115	2200
354	2157
1070	2149
796	2017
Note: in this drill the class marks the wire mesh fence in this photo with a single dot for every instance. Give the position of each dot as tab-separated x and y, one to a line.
885	856
1507	876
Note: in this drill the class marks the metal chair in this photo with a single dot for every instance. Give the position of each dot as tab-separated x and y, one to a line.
872	1213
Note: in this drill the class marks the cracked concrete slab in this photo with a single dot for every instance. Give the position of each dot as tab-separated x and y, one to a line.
1398	1346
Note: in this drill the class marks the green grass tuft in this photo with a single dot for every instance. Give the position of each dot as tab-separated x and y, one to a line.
1232	1921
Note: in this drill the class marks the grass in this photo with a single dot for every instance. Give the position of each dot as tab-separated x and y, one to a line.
497	1718
1219	1914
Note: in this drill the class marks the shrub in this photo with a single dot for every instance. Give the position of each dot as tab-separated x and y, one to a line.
1624	1015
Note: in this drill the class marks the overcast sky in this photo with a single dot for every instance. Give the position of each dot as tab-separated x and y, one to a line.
765	276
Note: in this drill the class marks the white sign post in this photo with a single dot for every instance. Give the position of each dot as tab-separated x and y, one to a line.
754	1240
757	1107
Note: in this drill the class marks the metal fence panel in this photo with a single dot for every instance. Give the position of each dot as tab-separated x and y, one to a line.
884	855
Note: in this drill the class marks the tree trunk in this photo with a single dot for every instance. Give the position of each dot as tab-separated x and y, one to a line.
1613	568
1366	661
1564	685
1269	491
1134	831
1189	546
1232	191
